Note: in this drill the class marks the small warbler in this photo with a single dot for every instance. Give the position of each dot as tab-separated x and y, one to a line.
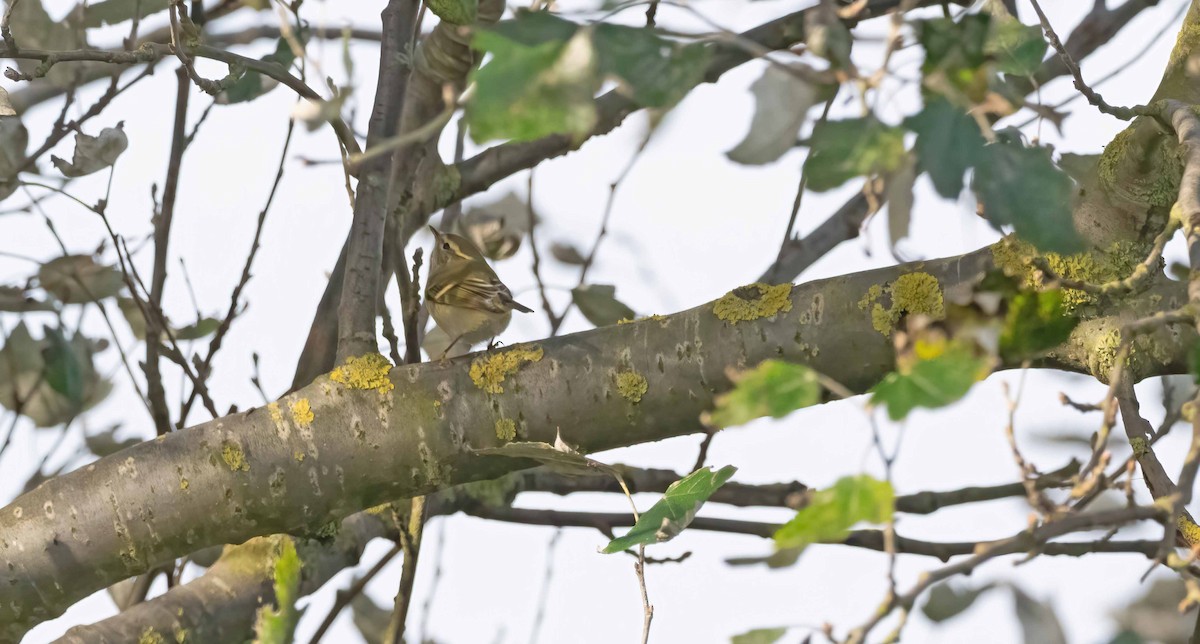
464	295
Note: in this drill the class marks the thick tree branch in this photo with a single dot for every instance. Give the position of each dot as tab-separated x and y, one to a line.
364	247
330	450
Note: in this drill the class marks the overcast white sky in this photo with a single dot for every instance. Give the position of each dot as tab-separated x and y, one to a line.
687	226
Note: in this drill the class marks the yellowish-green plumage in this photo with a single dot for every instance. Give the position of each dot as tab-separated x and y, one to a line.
463	294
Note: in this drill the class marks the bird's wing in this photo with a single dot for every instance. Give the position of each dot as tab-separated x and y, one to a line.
471	290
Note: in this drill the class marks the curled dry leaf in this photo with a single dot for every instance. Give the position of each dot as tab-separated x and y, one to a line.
93	153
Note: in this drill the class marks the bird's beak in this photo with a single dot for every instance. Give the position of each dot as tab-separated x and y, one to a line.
436	234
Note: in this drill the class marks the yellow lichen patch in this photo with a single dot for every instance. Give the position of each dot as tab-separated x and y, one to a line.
489	371
183	484
1116	262
752	302
1153	180
298	455
506	429
873	293
632	386
368	371
233	456
911	294
276	414
1185	43
1189	530
1140	446
151	636
302	413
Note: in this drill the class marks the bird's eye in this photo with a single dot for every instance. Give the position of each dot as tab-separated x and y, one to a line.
446	245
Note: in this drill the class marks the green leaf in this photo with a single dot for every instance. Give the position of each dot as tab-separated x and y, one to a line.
773	388
64	373
842	150
567	253
251	85
900	200
937	375
455	12
954	54
199	329
370	618
782	558
651	70
1039	623
598	303
532	28
560	457
948	144
544	72
674	511
278	625
946	601
105	442
50	380
782	99
760	636
945	42
1034	323
831	512
79	279
1194	362
1022	187
111	12
537	83
1017	49
133	316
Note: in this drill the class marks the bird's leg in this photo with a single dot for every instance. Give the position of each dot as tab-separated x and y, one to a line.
493	343
443	360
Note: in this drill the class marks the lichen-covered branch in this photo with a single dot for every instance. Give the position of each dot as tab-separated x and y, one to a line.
368	433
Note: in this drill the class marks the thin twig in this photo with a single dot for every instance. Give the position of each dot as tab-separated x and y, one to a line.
551	316
343	598
162	234
426	608
410	540
544	595
411	306
235	306
799	198
1123	113
608	208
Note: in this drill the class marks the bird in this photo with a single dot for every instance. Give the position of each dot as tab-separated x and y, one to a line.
463	294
